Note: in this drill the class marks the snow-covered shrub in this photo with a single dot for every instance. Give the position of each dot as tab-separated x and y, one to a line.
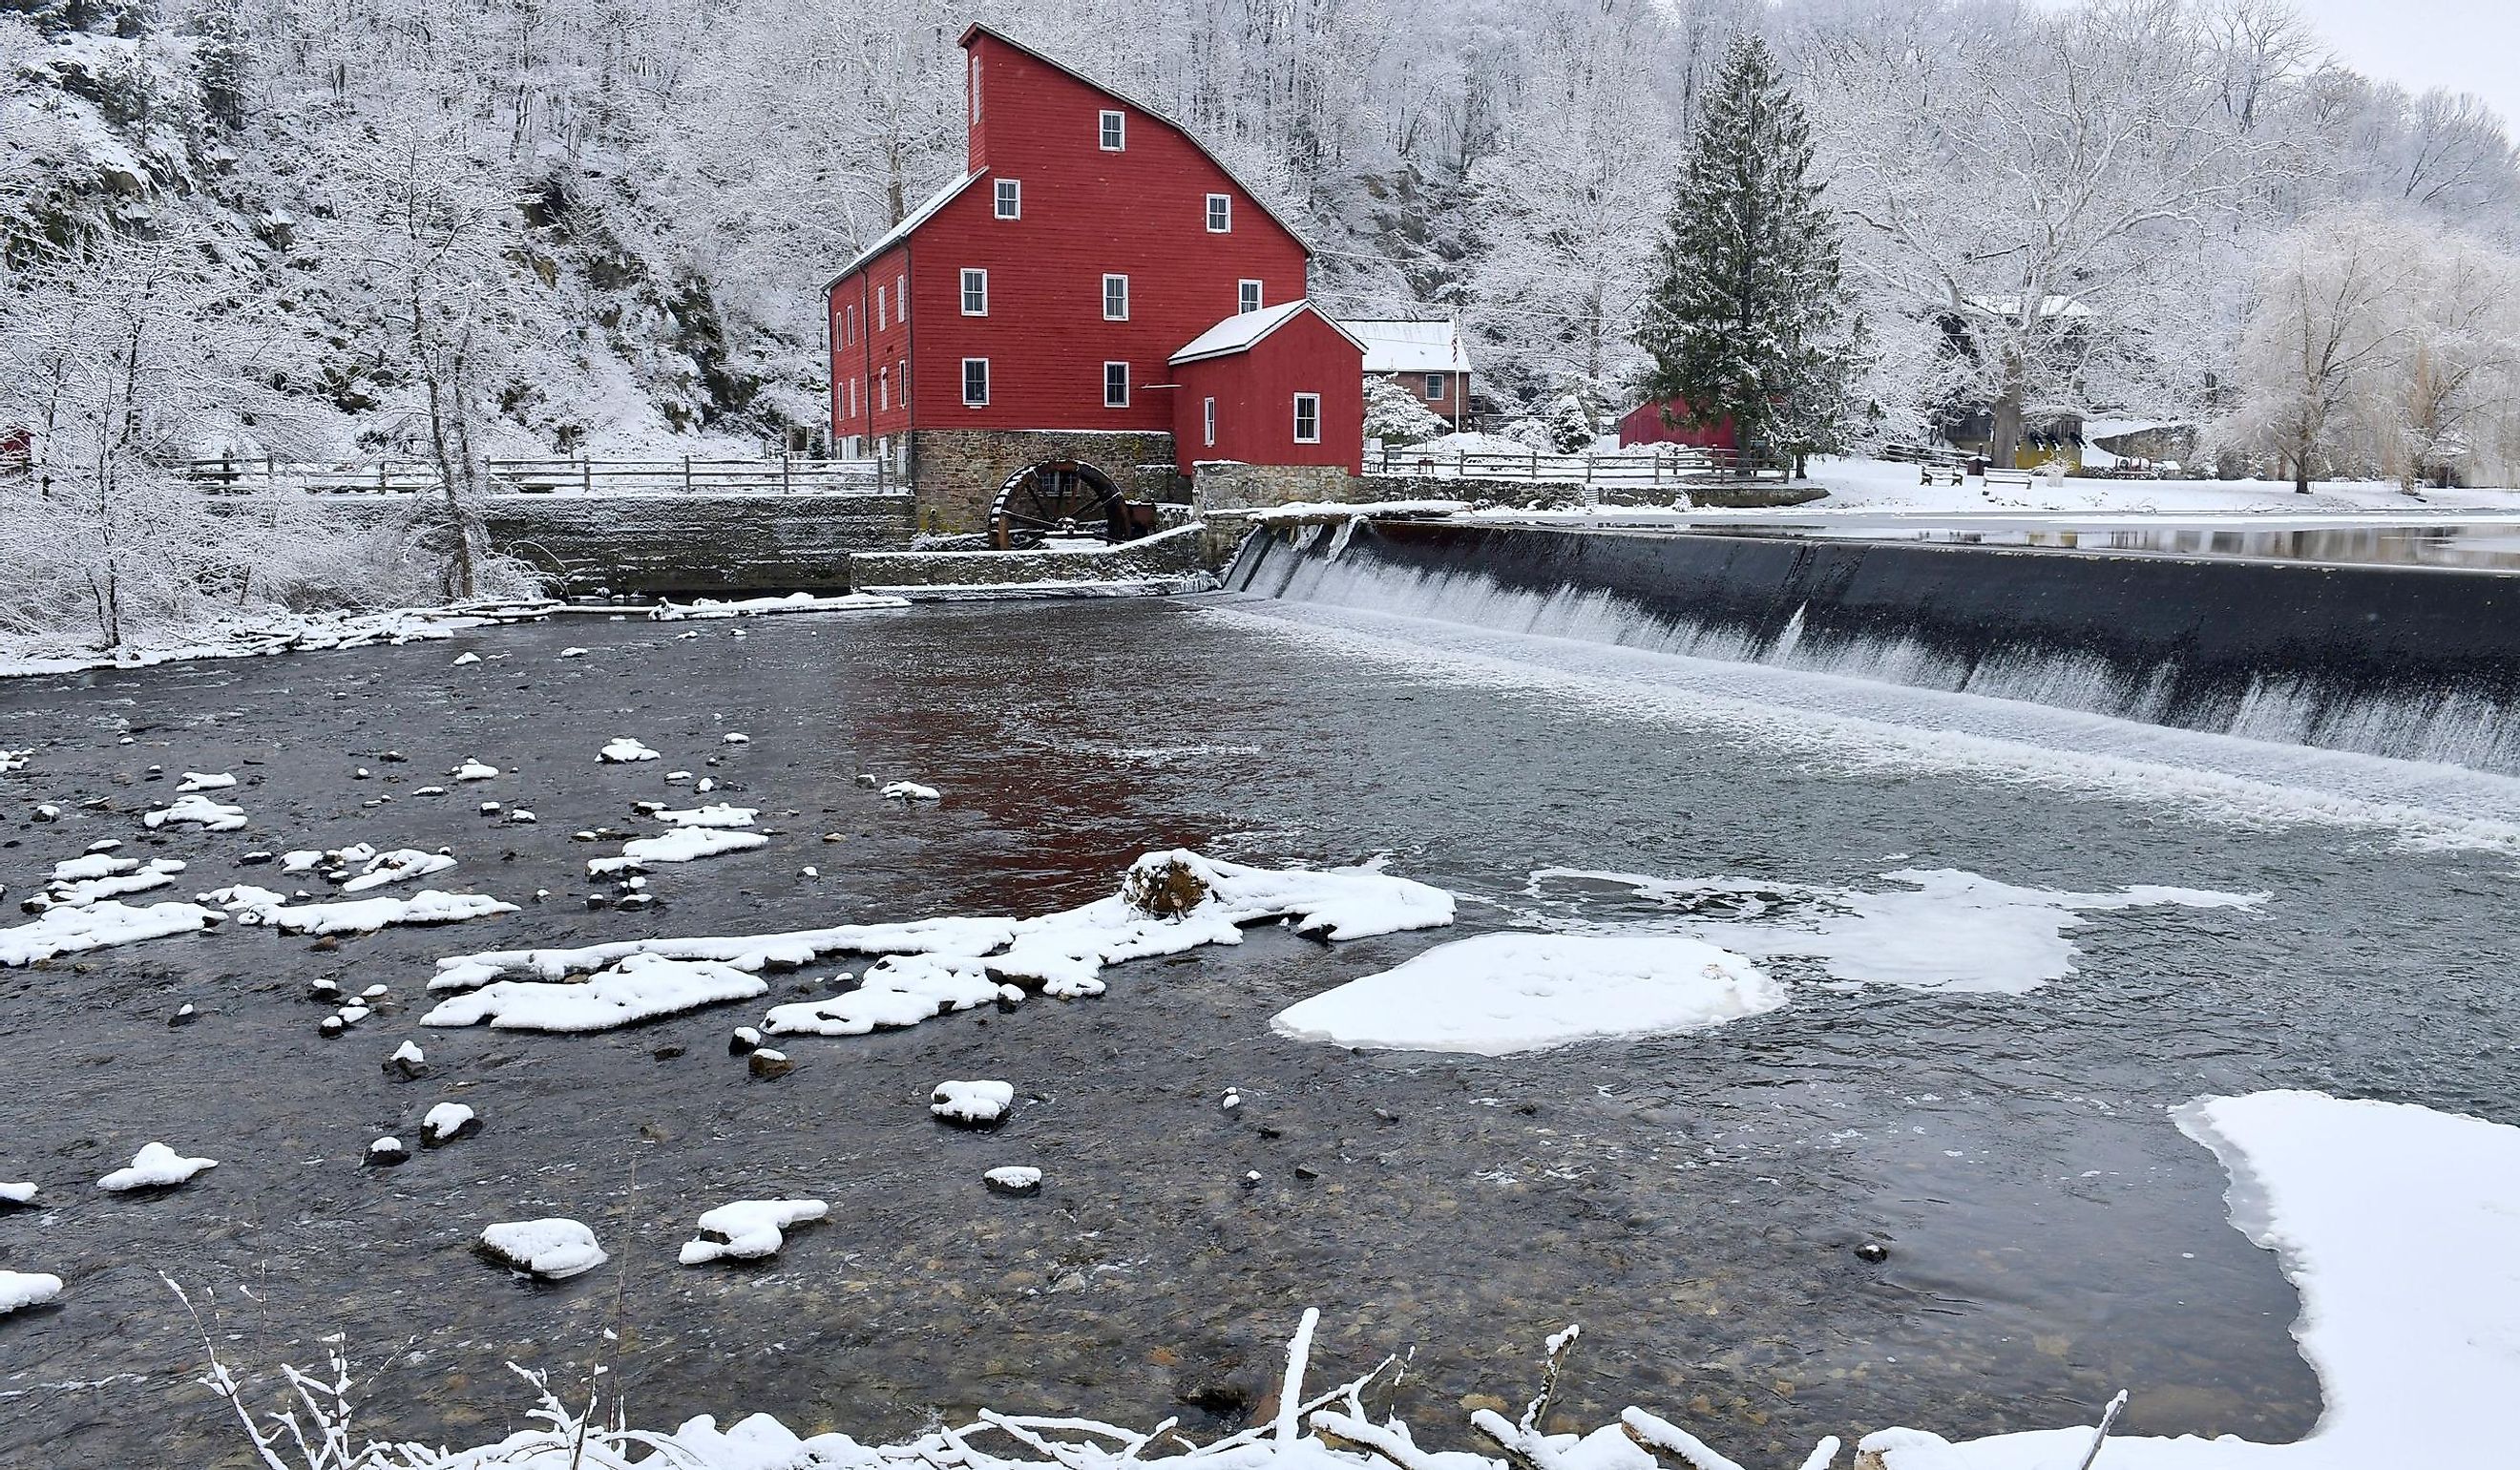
1395	416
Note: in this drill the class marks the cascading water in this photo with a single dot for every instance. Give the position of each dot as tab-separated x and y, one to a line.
2416	665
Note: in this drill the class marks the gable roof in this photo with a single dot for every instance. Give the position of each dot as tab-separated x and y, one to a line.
1244	330
909	222
1409	346
978	28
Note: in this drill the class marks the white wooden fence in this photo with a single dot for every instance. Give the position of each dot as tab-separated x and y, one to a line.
683	476
1675	469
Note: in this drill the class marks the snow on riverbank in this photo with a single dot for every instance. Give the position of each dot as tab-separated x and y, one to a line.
1168	903
283	633
1504	993
2399	1227
1956	931
798	602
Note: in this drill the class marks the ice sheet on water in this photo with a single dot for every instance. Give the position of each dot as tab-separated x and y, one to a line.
154	1167
261	906
199	811
69	930
1497	994
684	844
2394	1224
636	988
715	814
397	866
1946	930
750	1230
621	750
1168	903
204	780
83	881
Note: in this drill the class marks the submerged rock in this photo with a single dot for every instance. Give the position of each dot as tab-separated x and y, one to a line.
552	1250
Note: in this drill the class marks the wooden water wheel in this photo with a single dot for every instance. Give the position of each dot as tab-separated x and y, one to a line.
1059	499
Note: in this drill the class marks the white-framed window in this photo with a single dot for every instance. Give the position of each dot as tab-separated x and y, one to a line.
900	298
973	85
1246	295
1115	384
1115	299
904	372
975	382
1208	417
1220	213
1308	417
1434	388
883	388
878	305
1115	130
1009	198
976	292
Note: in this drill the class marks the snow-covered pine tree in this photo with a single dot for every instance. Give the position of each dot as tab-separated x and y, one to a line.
219	62
1748	321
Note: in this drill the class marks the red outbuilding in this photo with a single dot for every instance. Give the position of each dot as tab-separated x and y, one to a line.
1281	386
1665	421
1029	313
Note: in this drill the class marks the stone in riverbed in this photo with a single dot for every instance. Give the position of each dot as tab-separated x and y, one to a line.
386	1153
1015	1180
766	1063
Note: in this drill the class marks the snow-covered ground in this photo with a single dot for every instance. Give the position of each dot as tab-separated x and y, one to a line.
1863	485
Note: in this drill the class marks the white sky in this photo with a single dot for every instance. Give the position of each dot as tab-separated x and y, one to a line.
2465	45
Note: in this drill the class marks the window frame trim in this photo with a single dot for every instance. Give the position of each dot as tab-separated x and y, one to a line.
1007	192
1125	385
987	383
1299	406
1108	278
969	273
1214	201
1113	123
1259	295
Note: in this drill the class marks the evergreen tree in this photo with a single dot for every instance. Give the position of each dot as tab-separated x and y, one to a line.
1748	321
218	61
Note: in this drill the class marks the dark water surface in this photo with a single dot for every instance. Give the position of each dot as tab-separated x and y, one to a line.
1693	1200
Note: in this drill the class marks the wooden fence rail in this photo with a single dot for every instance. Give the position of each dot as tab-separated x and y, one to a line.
1677	468
683	476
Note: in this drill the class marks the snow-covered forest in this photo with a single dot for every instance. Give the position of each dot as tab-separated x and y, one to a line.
630	202
445	229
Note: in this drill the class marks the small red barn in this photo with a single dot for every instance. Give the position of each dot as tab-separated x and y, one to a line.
1665	421
1273	387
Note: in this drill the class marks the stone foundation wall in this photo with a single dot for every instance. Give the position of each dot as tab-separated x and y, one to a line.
1226	485
1169	553
956	473
658	544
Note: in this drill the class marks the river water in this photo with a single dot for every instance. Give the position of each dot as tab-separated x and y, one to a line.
1693	1200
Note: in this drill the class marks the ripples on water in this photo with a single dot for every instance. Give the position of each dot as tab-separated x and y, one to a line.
1693	1200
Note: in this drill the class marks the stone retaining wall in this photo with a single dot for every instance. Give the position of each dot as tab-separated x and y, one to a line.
1166	555
677	545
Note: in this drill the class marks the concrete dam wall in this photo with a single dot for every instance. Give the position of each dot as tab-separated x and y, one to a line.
2412	663
681	545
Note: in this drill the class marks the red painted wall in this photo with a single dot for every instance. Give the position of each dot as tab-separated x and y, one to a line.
1644	425
1255	400
1139	212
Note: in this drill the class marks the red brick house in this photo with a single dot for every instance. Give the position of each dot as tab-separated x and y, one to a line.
1029	313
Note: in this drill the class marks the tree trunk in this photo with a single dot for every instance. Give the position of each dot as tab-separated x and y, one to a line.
2004	435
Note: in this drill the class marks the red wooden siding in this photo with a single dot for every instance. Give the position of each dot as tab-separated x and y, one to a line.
1140	212
1255	400
1644	425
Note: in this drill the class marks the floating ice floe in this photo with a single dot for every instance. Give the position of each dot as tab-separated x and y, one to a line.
803	601
684	844
911	790
553	1249
715	814
735	737
637	988
154	1167
1504	993
83	881
445	1123
572	652
333	862
1956	931
21	1289
15	760
460	659
204	780
70	930
397	866
473	770
750	1230
261	906
199	811
1168	903
19	1193
972	1104
621	750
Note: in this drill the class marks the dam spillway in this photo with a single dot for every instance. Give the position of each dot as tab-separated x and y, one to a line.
2402	660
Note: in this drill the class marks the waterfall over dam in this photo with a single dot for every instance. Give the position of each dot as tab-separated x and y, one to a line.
2409	663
